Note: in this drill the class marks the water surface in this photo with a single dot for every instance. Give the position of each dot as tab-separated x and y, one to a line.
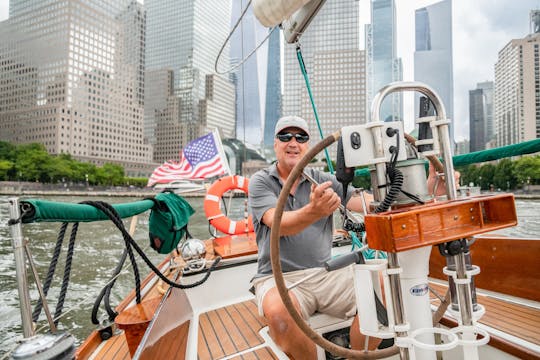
98	248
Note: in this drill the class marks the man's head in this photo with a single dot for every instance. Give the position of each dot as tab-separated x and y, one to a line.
291	141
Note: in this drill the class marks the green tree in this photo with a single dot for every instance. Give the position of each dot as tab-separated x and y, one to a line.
5	167
485	176
32	162
469	174
138	182
7	151
59	167
504	176
110	174
527	170
82	170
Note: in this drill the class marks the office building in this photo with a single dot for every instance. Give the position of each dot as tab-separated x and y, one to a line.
336	70
382	64
250	77
71	79
272	111
517	84
185	38
481	116
433	55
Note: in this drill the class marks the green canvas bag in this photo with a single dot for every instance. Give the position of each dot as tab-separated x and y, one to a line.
168	221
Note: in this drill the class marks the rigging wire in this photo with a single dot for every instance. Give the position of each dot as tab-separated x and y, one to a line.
315	113
243	94
227	41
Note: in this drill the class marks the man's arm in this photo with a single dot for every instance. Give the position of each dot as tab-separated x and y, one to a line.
323	201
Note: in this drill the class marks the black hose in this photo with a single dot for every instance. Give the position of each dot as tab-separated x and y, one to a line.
396	182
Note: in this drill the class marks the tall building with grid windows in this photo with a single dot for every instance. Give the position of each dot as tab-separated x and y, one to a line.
382	64
185	38
481	116
71	80
433	54
336	70
517	89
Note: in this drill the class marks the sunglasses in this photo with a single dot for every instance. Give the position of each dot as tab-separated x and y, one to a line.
286	137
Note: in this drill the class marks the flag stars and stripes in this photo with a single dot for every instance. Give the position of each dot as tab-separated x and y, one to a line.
200	159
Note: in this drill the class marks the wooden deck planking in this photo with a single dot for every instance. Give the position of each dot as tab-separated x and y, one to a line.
264	353
211	340
229	330
249	323
518	320
114	349
233	332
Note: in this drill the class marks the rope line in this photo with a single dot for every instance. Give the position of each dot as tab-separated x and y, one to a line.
51	270
67	272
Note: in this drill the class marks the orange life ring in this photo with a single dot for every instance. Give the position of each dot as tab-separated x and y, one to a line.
213	212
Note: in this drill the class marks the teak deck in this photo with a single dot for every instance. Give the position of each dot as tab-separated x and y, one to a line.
517	320
231	330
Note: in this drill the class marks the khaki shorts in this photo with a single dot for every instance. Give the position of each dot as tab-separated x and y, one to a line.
330	293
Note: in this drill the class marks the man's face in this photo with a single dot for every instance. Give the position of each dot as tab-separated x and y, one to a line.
290	145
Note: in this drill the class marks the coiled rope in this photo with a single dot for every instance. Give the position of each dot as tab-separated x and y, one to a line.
104	295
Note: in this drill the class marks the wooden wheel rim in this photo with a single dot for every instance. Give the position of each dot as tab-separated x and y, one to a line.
278	273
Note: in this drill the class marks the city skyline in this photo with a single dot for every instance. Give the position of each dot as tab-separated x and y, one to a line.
481	29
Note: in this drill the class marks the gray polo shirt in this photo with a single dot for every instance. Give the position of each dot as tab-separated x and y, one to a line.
307	249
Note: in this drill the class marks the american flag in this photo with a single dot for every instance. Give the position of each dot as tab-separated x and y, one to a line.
200	159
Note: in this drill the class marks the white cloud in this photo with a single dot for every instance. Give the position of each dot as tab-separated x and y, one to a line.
481	28
4	9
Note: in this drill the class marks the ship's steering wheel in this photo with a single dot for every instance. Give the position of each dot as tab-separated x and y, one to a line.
278	273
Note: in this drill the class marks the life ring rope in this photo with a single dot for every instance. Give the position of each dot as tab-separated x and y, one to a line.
215	217
212	201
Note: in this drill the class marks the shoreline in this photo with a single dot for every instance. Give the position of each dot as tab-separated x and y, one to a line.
149	193
105	193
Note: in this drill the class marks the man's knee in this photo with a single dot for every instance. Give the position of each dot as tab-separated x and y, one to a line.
276	314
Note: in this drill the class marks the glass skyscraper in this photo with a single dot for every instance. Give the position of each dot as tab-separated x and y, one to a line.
433	56
336	70
273	91
249	77
185	38
481	115
383	65
72	80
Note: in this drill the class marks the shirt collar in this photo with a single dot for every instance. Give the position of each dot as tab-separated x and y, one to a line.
272	170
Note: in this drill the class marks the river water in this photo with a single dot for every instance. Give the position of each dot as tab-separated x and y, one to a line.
98	248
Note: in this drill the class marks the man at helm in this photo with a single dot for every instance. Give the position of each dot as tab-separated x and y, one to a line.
305	244
306	241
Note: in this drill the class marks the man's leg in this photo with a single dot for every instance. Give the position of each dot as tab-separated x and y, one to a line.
283	330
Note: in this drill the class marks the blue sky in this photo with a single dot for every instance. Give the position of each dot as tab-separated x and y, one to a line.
481	29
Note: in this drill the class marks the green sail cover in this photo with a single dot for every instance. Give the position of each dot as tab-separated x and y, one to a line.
527	147
35	210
